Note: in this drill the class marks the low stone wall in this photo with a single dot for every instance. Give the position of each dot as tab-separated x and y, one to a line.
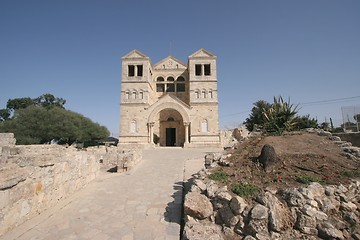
312	212
354	138
34	178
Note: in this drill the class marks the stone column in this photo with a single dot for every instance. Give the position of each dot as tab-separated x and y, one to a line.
151	132
186	124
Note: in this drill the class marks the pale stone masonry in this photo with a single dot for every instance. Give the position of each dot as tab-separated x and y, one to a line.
170	103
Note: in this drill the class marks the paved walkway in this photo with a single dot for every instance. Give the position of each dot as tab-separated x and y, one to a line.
144	203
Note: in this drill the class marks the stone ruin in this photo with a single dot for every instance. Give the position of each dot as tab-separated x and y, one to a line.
34	178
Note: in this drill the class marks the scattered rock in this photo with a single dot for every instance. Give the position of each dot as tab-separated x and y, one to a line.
238	205
328	231
197	205
197	231
229	219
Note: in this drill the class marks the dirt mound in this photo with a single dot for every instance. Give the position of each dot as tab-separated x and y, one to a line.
302	158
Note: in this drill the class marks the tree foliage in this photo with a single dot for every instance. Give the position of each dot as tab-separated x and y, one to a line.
280	116
43	119
256	116
276	117
306	122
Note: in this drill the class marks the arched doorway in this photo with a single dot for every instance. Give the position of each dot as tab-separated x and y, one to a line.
168	123
169	128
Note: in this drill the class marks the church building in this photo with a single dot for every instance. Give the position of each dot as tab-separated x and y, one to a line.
170	103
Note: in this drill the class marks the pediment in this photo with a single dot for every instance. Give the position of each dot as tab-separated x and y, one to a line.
169	99
202	53
170	63
135	54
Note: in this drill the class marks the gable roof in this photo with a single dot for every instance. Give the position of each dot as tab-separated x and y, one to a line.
135	54
170	63
169	101
202	53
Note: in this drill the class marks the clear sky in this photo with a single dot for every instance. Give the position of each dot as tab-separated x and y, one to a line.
303	49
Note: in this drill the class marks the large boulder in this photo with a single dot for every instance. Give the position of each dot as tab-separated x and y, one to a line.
280	217
267	157
197	205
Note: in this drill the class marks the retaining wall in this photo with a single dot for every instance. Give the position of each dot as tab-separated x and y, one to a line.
34	178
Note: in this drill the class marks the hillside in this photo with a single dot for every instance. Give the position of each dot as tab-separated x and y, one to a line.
302	157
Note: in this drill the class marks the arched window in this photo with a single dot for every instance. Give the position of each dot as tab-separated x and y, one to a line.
133	126
204	126
127	95
160	79
141	95
203	93
170	79
210	93
180	79
197	93
134	95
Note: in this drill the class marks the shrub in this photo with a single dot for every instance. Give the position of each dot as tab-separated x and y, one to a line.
306	179
219	176
281	116
244	190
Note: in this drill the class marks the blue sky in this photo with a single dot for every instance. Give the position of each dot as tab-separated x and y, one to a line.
306	50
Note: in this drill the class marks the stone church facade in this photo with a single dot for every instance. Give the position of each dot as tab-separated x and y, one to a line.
170	103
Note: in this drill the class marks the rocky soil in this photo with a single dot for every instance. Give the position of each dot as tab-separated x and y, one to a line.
311	191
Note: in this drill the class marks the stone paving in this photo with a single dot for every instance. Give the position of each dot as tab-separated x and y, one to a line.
144	203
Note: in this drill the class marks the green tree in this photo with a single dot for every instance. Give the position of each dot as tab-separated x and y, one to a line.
256	116
37	125
4	114
306	122
19	103
48	100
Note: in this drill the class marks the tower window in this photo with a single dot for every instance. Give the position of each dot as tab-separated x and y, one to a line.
160	79
139	70
198	69
131	70
170	79
197	93
207	70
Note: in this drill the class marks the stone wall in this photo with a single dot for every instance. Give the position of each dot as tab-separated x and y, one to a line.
34	178
311	212
7	139
354	138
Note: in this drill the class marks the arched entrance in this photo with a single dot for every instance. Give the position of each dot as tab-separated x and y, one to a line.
170	128
168	125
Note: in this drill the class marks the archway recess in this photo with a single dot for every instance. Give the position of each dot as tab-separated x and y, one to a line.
168	125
